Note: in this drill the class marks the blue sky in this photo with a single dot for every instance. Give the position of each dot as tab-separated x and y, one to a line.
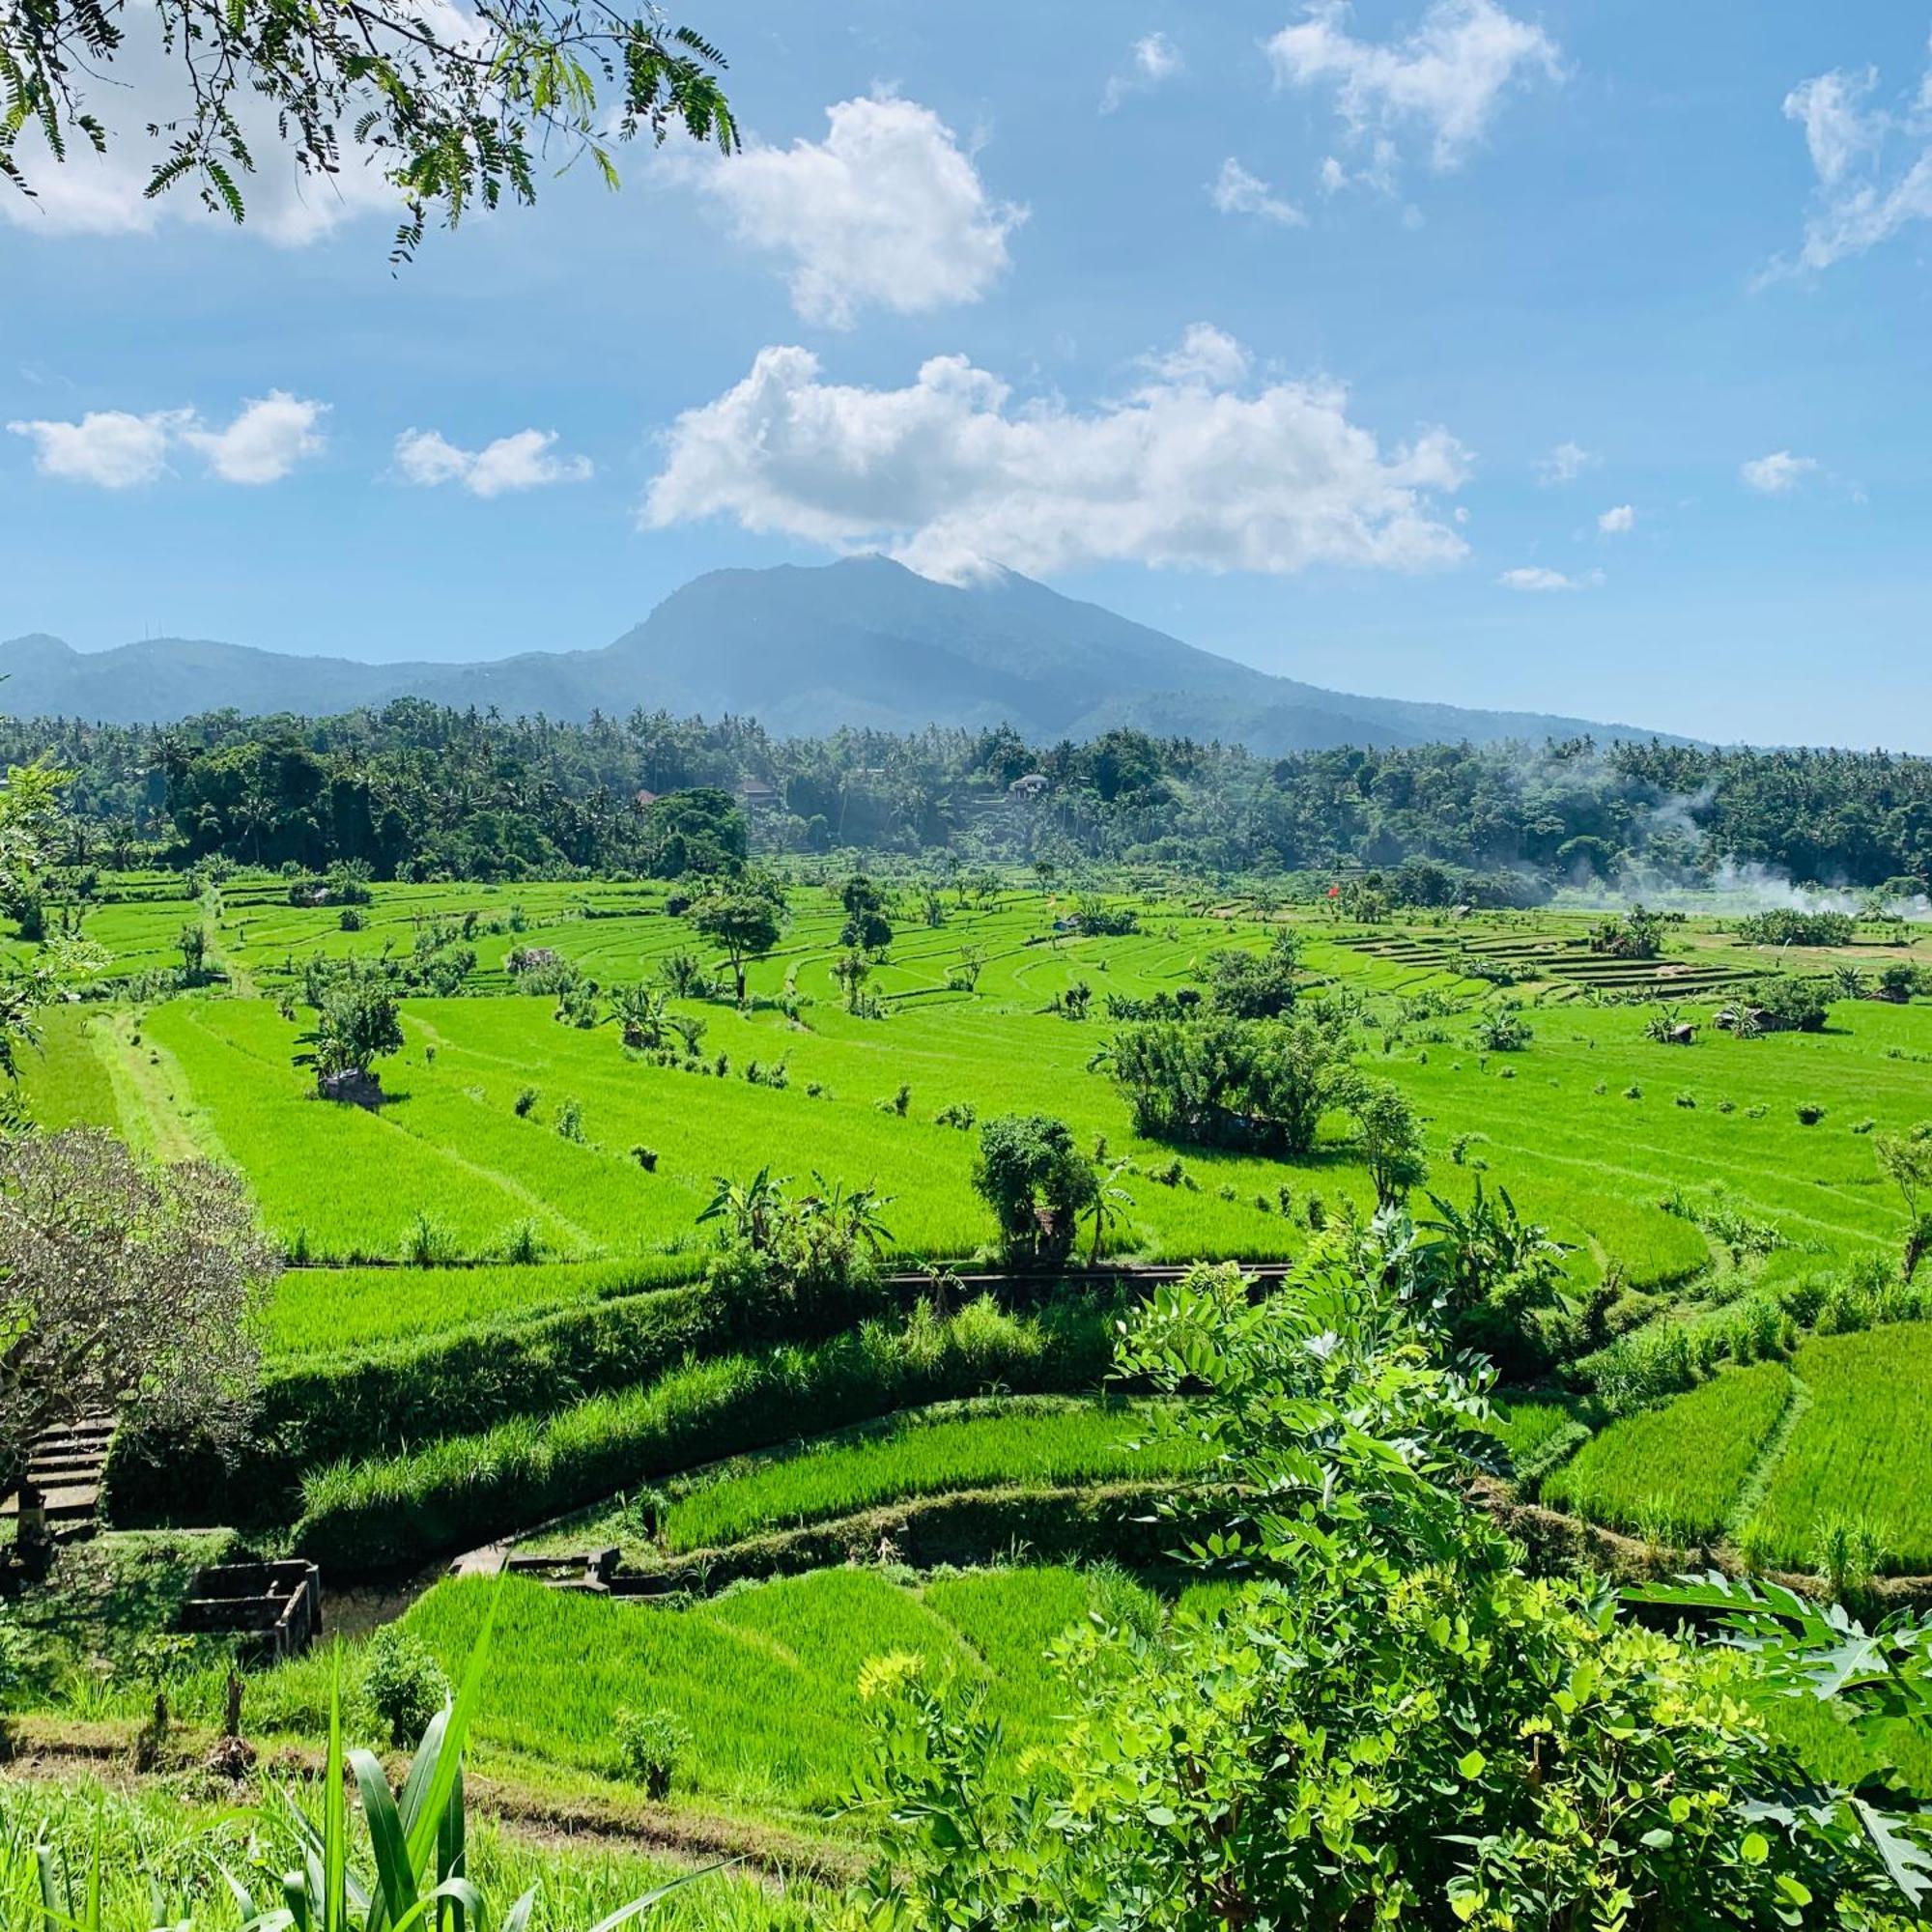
1570	357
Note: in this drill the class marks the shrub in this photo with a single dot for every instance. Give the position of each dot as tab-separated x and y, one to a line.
650	1745
1029	1172
1846	1552
429	1243
1787	927
526	1100
1810	1114
1255	986
1503	1028
403	1681
646	1157
570	1119
959	1113
1259	1084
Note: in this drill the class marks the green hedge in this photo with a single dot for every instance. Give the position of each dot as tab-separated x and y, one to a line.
463	1491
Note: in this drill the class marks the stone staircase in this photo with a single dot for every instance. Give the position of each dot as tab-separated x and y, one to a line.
66	1468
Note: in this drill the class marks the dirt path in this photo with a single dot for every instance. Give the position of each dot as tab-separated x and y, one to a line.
53	1750
150	1092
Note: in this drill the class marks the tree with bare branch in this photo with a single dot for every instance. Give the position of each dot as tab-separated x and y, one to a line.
124	1287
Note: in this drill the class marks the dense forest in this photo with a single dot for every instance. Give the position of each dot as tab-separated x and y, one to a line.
417	792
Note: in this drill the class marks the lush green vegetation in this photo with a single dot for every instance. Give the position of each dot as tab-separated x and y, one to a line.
415	791
1031	1443
467	1488
1862	1446
1676	1473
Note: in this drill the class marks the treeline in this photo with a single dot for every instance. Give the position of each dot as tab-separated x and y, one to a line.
414	790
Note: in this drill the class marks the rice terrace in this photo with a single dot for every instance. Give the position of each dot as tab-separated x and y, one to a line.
1014	1018
527	1314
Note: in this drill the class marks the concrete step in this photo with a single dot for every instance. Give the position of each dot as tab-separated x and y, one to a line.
73	1500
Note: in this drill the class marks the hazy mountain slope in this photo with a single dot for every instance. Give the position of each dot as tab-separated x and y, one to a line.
862	641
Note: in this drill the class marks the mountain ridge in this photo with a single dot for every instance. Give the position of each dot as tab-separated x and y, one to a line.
804	649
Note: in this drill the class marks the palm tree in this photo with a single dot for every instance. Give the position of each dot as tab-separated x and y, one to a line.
642	1014
854	1214
755	1208
1101	1210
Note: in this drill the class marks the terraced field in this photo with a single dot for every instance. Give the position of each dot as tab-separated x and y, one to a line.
1848	1428
1589	1129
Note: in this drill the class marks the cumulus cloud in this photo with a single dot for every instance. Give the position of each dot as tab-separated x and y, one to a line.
109	448
1196	466
1777	474
1447	78
116	450
1619	521
887	211
1152	59
1236	191
1873	165
265	441
1534	577
1564	464
523	460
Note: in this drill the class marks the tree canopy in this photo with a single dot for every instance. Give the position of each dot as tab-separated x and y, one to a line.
123	1289
420	791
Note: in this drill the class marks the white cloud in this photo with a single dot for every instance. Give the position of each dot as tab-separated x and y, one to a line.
109	448
1534	577
1873	165
116	450
265	441
1236	191
1564	464
1777	474
887	211
523	460
1152	59
1447	77
1619	521
1194	467
1205	354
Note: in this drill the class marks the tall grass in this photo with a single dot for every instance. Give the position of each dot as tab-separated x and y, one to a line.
1675	1473
1029	1441
1864	1447
468	1488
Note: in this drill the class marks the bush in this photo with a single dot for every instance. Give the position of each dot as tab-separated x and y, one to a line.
1036	1181
650	1745
429	1243
1255	986
525	1102
570	1119
1810	1114
1786	926
1257	1084
403	1681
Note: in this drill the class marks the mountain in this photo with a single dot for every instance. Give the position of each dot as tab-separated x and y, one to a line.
864	641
